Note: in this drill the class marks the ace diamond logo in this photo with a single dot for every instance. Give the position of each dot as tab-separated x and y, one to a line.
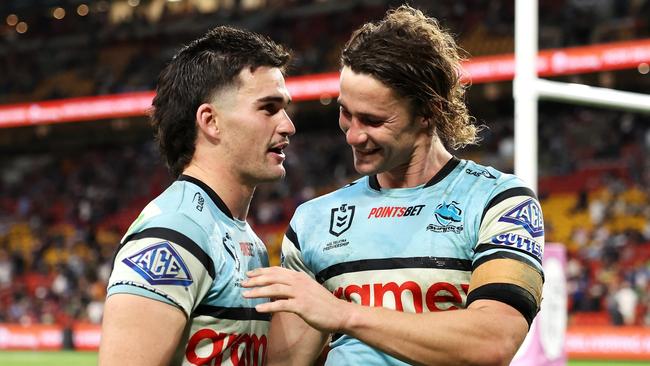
528	214
160	264
341	219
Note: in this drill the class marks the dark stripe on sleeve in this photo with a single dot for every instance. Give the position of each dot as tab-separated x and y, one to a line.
291	235
393	263
147	288
507	293
485	247
177	238
221	312
512	192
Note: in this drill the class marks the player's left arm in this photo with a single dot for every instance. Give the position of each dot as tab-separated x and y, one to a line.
504	296
488	332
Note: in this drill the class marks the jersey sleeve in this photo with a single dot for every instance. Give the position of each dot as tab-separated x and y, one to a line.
165	265
507	265
292	255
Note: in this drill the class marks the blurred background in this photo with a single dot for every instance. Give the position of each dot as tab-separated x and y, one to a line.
74	175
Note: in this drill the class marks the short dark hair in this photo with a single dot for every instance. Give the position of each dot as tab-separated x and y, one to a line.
411	54
194	75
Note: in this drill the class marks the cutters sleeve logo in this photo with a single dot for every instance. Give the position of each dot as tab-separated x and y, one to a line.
341	219
160	264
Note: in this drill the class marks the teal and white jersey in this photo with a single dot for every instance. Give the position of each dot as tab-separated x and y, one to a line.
415	249
187	250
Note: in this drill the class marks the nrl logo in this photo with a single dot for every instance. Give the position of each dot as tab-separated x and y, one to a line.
341	219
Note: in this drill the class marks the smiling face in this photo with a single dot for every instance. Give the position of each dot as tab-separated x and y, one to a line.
379	127
254	127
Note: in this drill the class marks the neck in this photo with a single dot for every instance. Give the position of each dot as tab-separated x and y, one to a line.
419	170
235	195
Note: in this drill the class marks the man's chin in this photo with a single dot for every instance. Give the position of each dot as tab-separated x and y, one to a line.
272	176
365	168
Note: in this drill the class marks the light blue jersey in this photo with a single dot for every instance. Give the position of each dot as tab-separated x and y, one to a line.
414	249
187	250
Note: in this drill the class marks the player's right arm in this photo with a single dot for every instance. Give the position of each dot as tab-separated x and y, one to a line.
137	330
291	340
159	277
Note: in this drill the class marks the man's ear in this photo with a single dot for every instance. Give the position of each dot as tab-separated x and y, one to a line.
207	120
427	124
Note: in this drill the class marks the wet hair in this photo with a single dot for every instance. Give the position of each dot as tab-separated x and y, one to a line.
195	75
411	54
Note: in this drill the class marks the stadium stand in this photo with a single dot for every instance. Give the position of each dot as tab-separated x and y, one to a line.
67	193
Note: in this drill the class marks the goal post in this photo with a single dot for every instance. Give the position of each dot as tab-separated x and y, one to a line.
528	89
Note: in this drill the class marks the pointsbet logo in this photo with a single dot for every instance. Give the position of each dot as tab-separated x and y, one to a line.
394	211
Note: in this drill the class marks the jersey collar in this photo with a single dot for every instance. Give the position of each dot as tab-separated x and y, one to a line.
211	193
440	175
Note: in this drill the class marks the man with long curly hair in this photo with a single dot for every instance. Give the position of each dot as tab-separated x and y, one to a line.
427	259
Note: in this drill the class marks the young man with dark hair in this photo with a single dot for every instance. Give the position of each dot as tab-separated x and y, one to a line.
432	260
174	296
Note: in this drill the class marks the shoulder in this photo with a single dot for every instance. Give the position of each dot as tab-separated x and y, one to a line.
176	215
326	201
489	182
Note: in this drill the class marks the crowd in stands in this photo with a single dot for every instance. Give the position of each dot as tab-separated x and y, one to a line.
63	214
102	53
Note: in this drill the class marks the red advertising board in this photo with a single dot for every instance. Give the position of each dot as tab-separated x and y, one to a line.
86	337
608	343
34	337
587	343
603	57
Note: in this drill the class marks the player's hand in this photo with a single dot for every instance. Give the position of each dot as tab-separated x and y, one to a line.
297	293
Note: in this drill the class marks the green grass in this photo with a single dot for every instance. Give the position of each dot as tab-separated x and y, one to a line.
54	358
608	363
71	358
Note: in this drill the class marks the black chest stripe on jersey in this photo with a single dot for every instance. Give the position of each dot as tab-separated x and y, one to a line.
221	312
393	263
512	192
176	238
291	235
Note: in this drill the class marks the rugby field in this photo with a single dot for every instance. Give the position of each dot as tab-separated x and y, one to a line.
71	358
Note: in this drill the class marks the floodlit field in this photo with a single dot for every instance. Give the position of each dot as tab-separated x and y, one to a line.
71	358
62	358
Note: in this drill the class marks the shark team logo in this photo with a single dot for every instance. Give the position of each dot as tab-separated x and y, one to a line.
528	215
341	219
160	264
449	216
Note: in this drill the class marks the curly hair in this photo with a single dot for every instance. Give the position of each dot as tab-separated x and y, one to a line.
420	61
194	75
